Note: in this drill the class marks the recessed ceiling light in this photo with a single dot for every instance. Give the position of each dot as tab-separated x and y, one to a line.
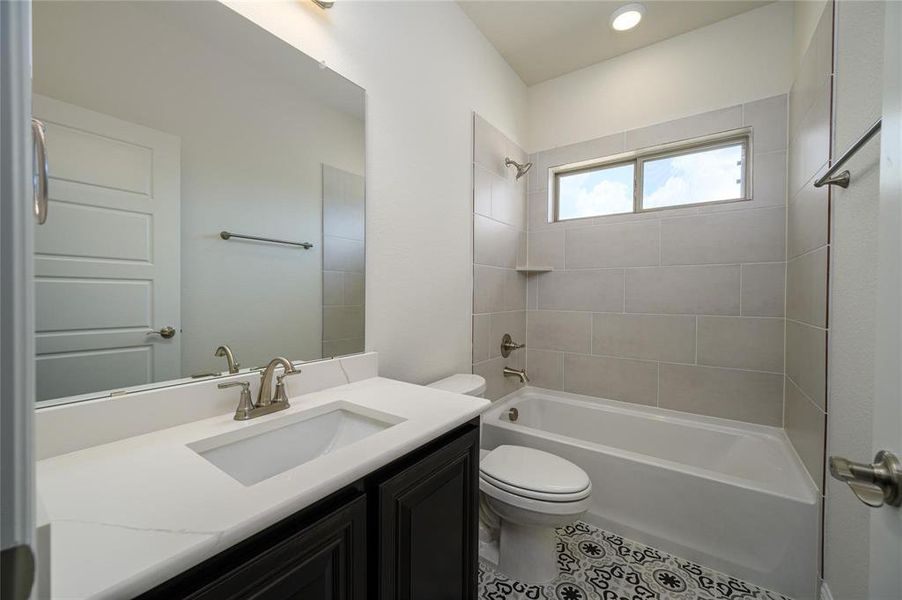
627	16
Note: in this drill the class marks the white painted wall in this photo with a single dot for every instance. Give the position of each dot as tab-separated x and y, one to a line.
737	60
252	154
426	68
857	102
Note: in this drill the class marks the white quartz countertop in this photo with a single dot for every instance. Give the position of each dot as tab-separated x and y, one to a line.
128	515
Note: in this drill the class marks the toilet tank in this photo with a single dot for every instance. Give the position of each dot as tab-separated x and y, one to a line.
462	383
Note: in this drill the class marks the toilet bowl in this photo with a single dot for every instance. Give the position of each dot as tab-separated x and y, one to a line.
532	493
525	494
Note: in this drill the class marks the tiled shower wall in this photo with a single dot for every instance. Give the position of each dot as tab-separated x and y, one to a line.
344	223
679	308
499	246
808	250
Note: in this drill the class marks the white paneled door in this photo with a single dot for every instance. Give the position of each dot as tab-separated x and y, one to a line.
886	523
107	259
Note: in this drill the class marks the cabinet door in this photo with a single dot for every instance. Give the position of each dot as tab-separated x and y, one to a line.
428	526
325	561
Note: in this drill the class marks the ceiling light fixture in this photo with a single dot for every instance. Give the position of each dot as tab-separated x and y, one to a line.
627	16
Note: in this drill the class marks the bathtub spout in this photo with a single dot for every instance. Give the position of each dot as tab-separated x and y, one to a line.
521	373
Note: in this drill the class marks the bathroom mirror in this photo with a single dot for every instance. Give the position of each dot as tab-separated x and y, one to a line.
206	189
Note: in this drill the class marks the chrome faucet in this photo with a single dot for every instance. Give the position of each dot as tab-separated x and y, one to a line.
268	401
266	396
521	373
224	350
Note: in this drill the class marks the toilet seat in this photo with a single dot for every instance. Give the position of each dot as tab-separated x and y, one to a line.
540	509
533	474
535	495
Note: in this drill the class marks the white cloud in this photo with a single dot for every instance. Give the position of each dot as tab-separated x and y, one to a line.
606	197
702	177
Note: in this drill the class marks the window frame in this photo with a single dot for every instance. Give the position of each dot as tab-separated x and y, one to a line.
638	158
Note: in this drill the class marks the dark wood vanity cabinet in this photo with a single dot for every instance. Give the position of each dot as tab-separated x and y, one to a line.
323	561
407	531
428	518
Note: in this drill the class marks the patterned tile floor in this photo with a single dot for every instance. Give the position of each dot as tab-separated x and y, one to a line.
598	565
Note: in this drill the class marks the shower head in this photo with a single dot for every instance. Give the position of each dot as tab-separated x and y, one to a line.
521	169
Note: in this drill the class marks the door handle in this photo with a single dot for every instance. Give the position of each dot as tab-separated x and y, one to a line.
875	484
165	333
41	174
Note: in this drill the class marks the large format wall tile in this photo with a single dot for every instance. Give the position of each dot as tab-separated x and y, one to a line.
741	342
495	243
806	359
490	147
509	201
546	368
499	245
768	180
342	322
767	118
728	393
565	331
807	233
513	323
731	237
697	290
482	337
562	155
807	220
617	245
806	288
763	290
497	290
811	146
635	298
805	425
653	337
496	384
686	128
612	378
546	248
600	291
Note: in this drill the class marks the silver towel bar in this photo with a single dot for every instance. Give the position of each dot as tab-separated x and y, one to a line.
228	235
843	179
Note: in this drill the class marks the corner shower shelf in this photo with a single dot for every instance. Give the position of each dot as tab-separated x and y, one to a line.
531	270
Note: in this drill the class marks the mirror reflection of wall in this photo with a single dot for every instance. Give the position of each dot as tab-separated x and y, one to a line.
343	262
167	123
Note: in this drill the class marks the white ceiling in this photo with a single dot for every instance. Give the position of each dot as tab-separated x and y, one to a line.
545	39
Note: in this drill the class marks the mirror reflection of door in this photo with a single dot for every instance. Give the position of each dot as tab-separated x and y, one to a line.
133	240
107	263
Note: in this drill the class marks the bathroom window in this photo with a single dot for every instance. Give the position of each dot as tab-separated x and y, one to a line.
703	171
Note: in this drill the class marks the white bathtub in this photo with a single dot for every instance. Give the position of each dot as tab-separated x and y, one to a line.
732	496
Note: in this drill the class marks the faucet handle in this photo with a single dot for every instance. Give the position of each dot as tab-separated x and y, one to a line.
280	395
245	404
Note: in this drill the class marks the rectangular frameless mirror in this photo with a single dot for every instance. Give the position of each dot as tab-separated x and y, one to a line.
206	189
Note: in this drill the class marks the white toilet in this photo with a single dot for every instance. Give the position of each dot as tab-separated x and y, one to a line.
528	493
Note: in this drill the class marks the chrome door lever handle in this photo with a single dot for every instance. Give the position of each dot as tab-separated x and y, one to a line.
165	333
874	484
41	171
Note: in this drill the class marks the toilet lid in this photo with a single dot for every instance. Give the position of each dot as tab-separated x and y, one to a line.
522	470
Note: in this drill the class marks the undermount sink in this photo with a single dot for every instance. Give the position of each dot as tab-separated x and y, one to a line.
259	452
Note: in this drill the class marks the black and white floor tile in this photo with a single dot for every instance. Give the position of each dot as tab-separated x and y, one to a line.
598	565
